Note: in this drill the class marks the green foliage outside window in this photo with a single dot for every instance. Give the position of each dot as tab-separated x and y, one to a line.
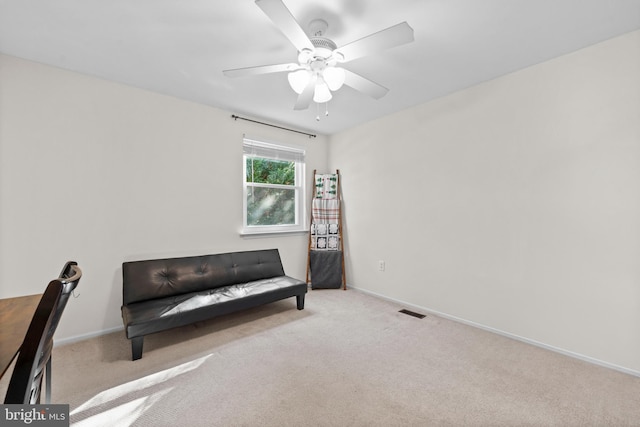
269	171
270	205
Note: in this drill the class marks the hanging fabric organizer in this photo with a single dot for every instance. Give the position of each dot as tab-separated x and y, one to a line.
325	261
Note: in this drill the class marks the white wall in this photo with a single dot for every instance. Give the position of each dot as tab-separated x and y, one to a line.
514	204
103	173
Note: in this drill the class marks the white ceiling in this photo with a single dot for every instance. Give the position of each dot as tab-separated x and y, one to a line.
180	47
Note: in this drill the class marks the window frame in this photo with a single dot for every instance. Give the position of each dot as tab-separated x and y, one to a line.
275	151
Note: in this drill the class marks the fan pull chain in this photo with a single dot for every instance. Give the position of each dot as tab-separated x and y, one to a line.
326	110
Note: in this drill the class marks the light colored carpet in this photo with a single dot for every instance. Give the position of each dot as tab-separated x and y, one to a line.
347	359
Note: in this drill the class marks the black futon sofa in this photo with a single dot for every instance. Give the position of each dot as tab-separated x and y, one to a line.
162	294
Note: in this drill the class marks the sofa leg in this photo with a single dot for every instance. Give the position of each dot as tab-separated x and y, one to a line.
300	301
136	347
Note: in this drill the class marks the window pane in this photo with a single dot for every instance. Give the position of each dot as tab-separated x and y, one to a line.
269	171
271	206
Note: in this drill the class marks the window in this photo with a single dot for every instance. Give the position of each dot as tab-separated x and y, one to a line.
273	188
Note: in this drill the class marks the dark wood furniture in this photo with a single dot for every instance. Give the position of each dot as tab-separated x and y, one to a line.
15	316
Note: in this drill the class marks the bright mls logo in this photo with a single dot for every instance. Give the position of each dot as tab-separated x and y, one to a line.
34	415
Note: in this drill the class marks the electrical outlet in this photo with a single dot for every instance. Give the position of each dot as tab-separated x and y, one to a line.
381	265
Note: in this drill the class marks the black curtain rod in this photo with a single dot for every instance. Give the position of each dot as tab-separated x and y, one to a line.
310	135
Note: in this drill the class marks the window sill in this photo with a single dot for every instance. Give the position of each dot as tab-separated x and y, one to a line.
266	233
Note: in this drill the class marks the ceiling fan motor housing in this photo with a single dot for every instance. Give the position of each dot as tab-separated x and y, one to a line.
323	51
324	46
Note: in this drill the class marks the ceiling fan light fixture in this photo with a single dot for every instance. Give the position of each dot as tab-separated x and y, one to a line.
298	80
318	56
334	77
322	93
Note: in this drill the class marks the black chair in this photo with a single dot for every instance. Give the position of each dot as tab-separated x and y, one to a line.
24	386
34	358
70	277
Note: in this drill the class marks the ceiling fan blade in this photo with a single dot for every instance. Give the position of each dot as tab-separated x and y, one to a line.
393	36
262	69
304	99
364	85
284	20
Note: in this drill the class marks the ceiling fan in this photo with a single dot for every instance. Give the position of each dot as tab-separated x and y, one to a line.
317	74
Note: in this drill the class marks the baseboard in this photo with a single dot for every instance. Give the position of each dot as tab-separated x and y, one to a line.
503	333
82	337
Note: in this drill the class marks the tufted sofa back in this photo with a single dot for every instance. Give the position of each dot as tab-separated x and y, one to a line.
159	278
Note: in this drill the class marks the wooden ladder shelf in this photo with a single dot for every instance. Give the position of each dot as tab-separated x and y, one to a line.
325	254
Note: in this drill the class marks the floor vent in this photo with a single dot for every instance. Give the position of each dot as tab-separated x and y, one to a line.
413	313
